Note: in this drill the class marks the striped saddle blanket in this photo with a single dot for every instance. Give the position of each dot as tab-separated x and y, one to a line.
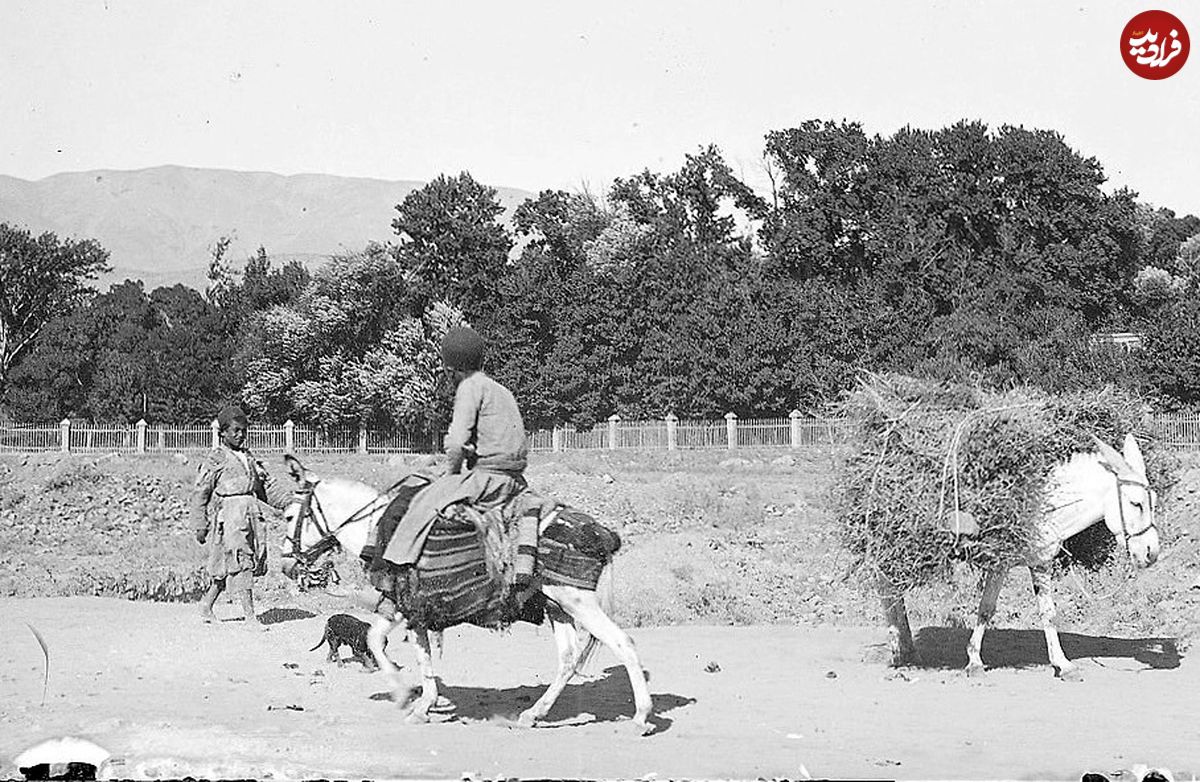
468	570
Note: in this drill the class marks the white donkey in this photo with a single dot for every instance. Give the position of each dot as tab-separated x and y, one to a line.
1081	491
335	512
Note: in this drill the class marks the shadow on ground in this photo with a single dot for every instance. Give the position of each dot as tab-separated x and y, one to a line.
605	699
946	647
274	616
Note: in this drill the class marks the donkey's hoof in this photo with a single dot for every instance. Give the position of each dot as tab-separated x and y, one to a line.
526	720
1072	674
905	659
404	697
417	717
644	727
976	671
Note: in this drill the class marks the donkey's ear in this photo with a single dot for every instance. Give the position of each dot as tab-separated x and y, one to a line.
1133	454
296	469
1114	461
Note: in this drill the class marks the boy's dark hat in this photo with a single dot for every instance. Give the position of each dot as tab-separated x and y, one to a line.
229	414
462	348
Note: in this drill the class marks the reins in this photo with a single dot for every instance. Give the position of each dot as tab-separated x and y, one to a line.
310	509
310	575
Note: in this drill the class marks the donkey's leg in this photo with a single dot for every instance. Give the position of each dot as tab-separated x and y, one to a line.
1063	668
987	609
900	639
437	642
567	642
429	685
584	608
376	640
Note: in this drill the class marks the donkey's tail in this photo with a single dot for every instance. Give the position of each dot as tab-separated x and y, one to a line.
604	596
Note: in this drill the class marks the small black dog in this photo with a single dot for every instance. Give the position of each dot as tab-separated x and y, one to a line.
345	629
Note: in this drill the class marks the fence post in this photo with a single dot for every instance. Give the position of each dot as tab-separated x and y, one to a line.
795	416
556	439
216	432
289	436
141	436
362	440
64	433
731	429
612	431
162	438
672	422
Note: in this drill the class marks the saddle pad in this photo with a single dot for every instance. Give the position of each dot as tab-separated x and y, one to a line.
574	548
558	563
454	583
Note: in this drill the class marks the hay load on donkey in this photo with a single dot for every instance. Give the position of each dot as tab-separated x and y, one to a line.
944	473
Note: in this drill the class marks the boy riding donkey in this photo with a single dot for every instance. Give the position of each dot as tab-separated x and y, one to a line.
486	453
237	485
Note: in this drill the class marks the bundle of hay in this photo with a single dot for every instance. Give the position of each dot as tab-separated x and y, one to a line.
943	473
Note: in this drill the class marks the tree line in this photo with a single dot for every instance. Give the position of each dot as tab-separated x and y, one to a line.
990	255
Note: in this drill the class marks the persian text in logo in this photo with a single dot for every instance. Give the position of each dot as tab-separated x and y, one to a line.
1155	44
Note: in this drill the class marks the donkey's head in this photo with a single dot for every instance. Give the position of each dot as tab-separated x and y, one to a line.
299	537
1129	505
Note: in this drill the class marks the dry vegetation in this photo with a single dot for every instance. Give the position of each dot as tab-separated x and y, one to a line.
710	537
926	451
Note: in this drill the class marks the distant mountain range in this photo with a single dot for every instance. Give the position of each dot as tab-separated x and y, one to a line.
159	224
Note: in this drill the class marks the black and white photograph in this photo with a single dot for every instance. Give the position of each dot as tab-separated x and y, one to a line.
684	389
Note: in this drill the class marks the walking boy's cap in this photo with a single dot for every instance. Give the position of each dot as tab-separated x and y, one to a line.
229	414
462	348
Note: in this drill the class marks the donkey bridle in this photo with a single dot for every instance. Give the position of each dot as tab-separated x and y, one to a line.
310	508
1129	536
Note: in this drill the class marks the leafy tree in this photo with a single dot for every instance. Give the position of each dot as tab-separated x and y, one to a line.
98	359
682	280
1170	359
52	381
193	358
1164	234
346	352
963	235
222	277
40	277
452	246
257	287
124	356
809	231
1187	261
550	335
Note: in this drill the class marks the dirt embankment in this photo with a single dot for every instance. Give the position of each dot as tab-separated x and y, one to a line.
709	537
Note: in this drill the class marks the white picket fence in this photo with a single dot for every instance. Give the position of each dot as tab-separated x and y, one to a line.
1176	431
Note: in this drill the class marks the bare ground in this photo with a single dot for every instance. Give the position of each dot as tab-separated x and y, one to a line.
171	697
765	655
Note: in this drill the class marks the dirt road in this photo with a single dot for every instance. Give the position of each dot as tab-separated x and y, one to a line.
169	696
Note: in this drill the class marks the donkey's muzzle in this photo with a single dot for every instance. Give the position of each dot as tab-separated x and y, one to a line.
289	566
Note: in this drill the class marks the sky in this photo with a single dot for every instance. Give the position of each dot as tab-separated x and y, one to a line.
568	95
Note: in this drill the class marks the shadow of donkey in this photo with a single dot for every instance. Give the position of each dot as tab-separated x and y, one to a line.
946	647
607	698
